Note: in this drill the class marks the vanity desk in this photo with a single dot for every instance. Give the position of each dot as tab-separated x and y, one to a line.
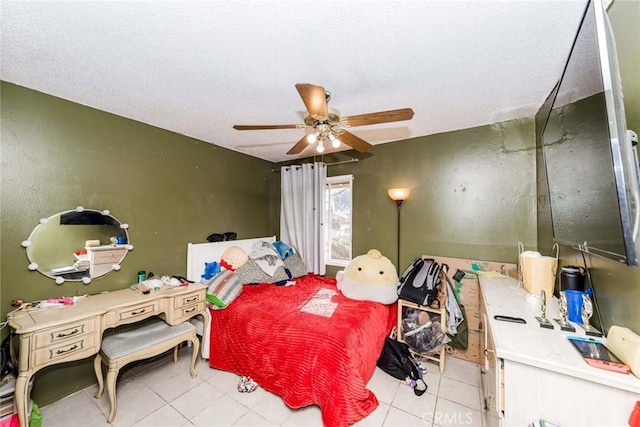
530	373
53	335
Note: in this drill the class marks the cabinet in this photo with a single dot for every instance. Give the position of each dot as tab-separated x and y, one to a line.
529	373
403	305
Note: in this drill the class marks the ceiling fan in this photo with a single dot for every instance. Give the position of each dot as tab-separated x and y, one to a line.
327	123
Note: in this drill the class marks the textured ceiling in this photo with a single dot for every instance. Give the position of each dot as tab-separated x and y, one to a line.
198	68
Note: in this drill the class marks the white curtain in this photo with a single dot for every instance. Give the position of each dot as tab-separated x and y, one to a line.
302	212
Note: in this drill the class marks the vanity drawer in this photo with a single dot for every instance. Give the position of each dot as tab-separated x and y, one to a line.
76	348
64	333
189	299
138	312
183	313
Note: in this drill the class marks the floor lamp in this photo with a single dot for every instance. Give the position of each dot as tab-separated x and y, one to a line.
399	195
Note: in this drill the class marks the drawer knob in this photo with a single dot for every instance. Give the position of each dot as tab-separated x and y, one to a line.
190	310
60	335
135	313
192	299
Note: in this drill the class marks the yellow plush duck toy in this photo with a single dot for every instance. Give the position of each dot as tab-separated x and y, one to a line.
370	277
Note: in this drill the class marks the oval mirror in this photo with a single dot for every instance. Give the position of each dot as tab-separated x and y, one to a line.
77	245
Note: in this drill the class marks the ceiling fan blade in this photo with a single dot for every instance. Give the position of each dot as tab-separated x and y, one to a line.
354	141
315	99
260	127
300	146
380	117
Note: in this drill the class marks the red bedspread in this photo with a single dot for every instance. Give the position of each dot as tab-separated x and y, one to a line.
303	357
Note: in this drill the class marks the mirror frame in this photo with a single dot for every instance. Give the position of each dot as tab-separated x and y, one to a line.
33	265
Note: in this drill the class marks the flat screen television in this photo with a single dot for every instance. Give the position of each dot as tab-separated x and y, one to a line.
591	162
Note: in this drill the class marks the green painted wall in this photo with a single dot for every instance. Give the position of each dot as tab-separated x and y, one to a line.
170	189
617	286
475	194
472	194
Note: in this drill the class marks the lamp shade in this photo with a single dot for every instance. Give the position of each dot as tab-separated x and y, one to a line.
399	193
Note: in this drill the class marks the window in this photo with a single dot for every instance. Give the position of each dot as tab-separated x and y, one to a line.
338	214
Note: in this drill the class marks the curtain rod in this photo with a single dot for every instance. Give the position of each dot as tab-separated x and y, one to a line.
328	164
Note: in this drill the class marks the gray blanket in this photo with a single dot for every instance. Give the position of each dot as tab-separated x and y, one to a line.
266	256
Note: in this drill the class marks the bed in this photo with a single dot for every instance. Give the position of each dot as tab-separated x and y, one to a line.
200	253
306	342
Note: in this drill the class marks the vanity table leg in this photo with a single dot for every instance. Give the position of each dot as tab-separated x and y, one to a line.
22	398
97	367
194	356
112	376
206	318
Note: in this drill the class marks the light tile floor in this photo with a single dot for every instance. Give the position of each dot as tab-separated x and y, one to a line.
158	393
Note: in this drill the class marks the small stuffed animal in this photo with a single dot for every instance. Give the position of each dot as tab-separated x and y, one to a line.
210	270
233	258
370	277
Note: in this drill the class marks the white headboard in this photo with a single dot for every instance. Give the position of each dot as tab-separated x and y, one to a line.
199	253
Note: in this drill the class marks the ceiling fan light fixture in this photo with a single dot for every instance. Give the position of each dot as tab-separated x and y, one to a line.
320	147
335	142
312	138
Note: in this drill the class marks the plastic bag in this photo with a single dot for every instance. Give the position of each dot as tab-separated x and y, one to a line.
422	331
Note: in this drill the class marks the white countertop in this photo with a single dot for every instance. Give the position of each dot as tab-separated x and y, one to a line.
532	345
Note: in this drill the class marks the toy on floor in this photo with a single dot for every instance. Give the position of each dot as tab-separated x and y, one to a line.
247	385
370	277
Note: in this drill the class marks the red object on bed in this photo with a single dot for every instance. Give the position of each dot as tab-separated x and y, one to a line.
268	334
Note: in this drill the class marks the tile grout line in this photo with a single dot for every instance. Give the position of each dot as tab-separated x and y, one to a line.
138	376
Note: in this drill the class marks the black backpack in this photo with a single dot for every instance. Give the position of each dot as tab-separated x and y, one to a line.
420	282
397	361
